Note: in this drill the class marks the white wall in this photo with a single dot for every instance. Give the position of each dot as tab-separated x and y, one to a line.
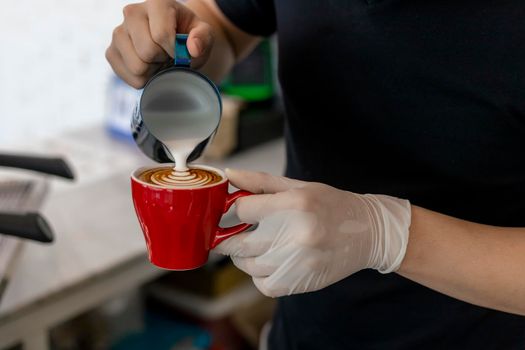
53	72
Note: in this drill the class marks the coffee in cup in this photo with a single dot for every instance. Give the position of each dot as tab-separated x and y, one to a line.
169	177
179	215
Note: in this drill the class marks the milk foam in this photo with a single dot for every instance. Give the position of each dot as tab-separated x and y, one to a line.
168	177
181	110
182	179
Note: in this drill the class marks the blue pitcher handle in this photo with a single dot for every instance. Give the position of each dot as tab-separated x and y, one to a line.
181	55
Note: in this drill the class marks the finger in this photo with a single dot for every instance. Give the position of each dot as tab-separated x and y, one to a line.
200	38
252	267
258	208
267	286
258	182
118	65
232	246
266	262
200	42
162	17
301	271
259	283
246	245
127	51
263	286
136	24
251	209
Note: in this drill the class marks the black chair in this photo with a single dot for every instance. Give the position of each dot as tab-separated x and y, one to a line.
31	225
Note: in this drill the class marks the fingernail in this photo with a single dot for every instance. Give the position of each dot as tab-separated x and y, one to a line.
198	45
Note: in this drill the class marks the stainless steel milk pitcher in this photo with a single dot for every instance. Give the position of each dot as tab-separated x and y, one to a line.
174	101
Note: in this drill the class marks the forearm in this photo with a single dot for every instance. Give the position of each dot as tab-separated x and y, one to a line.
230	44
480	264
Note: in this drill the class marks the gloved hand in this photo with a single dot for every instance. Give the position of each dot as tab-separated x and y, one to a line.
311	235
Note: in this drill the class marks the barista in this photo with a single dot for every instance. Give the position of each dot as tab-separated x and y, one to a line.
418	103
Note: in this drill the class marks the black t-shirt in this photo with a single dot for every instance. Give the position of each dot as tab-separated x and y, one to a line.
419	99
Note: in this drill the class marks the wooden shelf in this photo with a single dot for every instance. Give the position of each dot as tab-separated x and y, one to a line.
199	306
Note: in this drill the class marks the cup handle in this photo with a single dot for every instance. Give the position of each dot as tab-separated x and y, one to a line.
223	233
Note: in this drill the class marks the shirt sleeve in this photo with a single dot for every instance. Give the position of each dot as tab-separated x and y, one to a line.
256	17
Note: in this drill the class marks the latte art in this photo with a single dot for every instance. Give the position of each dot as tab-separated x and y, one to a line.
169	177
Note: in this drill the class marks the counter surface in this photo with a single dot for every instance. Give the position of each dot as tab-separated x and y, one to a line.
93	218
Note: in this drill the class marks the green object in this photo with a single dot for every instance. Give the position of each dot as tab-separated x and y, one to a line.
252	79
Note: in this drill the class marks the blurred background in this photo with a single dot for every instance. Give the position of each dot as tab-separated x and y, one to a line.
73	267
52	65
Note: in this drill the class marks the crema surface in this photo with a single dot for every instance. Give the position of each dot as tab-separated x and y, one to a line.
168	177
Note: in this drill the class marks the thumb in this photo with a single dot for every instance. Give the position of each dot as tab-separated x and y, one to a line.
200	42
257	182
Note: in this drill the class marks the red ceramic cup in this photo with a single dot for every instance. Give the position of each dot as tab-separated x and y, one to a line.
181	225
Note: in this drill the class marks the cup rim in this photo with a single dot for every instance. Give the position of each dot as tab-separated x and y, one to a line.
135	173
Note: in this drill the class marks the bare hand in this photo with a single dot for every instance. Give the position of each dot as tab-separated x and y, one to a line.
144	42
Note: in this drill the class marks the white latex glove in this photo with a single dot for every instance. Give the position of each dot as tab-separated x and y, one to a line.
311	235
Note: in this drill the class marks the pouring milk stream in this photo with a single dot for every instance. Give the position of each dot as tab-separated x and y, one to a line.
180	108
